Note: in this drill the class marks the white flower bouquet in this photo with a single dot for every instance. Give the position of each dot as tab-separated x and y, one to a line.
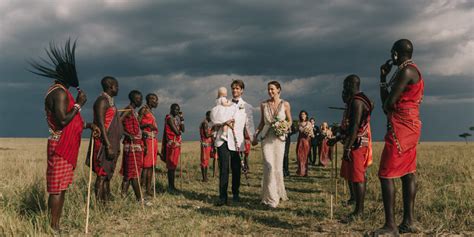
281	127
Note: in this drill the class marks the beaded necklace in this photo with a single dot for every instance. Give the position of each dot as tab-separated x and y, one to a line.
399	69
109	98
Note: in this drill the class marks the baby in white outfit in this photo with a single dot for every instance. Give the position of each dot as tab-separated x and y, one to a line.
223	111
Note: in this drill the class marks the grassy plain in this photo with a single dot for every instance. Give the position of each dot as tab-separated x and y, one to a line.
444	203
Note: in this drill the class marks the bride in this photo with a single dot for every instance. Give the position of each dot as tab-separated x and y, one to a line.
273	145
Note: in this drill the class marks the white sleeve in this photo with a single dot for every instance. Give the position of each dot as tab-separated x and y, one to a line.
249	125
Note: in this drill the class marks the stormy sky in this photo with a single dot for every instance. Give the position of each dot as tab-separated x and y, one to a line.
185	50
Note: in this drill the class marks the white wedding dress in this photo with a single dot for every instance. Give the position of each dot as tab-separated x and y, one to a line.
273	149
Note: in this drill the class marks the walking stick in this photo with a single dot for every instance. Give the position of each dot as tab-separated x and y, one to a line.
335	167
153	160
180	173
214	167
91	141
335	172
138	175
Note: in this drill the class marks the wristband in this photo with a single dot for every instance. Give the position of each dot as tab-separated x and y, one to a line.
77	107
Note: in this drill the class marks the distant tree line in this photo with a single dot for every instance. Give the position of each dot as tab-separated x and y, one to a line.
466	134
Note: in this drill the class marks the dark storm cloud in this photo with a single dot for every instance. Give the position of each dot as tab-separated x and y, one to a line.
184	50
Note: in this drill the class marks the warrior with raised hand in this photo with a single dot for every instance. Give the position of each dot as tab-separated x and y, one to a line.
401	99
65	123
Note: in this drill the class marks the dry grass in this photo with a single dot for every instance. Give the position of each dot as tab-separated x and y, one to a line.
445	201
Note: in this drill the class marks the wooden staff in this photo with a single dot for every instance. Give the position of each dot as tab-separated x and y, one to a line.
138	175
180	173
335	169
124	110
153	160
331	208
91	142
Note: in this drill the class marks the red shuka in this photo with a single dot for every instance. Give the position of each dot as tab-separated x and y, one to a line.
206	145
403	133
98	169
171	145
361	152
69	137
151	139
63	147
132	162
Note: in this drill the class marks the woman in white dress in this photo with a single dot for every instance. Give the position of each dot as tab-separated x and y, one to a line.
273	146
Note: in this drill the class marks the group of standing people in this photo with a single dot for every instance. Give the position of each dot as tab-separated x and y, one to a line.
312	144
231	137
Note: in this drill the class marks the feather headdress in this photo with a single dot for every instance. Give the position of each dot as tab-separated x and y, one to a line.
61	66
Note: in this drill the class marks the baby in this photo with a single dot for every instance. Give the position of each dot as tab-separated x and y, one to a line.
223	111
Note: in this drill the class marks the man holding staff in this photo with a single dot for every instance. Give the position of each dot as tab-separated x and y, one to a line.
107	146
133	146
401	99
150	132
357	140
65	125
171	144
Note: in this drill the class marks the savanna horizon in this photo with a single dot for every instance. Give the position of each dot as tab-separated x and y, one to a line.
444	176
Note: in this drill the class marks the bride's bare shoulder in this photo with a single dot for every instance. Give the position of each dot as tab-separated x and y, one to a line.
264	102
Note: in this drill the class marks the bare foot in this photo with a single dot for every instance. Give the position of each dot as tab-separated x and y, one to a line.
405	228
386	231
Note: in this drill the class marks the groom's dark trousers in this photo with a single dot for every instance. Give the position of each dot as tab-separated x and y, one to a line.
225	157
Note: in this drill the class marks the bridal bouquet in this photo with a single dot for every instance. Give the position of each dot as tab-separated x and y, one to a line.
281	127
308	130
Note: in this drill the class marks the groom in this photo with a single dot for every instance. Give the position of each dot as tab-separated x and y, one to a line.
229	149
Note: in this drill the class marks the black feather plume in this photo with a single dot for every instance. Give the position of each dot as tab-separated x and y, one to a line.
62	64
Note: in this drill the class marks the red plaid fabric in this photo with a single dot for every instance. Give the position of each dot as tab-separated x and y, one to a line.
150	159
130	169
132	126
59	173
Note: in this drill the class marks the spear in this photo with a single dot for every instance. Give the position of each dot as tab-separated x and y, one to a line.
91	142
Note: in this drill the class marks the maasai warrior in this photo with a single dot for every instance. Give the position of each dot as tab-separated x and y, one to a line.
303	145
214	155
171	144
205	132
357	154
229	149
248	145
107	146
65	125
133	146
401	104
150	135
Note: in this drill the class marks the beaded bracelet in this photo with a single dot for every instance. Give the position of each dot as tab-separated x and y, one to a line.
78	107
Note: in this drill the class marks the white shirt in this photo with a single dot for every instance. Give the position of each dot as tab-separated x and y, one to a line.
243	120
